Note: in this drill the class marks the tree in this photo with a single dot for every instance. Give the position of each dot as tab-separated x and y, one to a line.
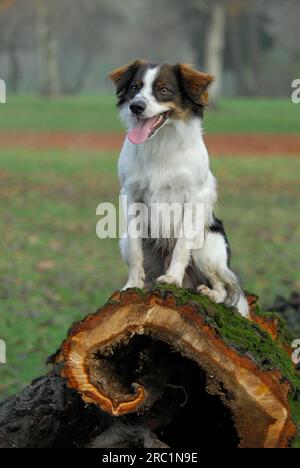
15	37
47	47
89	36
245	21
214	49
6	4
208	26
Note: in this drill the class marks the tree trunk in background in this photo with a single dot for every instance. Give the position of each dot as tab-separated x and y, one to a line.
214	48
14	72
254	51
237	55
85	66
48	50
5	4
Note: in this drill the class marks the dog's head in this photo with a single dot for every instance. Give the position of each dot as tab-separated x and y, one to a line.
151	96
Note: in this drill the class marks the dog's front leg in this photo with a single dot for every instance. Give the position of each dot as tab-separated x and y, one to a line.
132	245
132	251
179	262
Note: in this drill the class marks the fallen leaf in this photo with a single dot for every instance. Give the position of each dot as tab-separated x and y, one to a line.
45	265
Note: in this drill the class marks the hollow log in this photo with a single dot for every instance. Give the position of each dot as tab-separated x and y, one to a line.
164	368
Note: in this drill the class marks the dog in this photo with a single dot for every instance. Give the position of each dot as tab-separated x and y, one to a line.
164	160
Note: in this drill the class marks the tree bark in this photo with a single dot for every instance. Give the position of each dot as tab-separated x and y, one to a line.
14	73
4	4
50	85
48	415
166	368
215	47
82	73
238	55
254	51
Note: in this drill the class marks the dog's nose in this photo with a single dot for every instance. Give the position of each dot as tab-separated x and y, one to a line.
137	107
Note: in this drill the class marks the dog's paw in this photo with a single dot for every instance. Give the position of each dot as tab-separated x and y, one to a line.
134	284
168	279
215	295
206	291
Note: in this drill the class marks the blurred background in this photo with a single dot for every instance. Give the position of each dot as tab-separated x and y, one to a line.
69	46
60	137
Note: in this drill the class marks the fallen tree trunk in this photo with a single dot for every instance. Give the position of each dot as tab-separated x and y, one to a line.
166	368
47	414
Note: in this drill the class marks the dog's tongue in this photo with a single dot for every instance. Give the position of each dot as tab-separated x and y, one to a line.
141	132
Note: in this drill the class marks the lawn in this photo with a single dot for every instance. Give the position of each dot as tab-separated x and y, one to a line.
97	113
54	269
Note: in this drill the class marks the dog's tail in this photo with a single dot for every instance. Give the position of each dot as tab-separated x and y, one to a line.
235	295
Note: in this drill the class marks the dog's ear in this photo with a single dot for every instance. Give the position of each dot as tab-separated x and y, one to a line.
194	83
123	75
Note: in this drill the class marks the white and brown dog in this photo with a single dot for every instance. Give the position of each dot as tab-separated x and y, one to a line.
164	160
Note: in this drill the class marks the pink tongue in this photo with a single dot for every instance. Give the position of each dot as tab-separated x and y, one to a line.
141	132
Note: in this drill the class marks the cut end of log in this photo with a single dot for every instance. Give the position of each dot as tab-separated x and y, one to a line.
195	373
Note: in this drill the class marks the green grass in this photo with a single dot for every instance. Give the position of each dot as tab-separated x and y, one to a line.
69	114
97	113
54	269
254	116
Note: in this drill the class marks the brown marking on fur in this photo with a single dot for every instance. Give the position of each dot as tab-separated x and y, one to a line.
167	78
188	86
116	75
178	112
195	83
123	76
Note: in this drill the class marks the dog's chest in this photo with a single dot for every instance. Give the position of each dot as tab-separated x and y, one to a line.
162	184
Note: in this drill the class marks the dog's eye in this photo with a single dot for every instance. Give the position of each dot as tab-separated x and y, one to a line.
134	87
165	91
